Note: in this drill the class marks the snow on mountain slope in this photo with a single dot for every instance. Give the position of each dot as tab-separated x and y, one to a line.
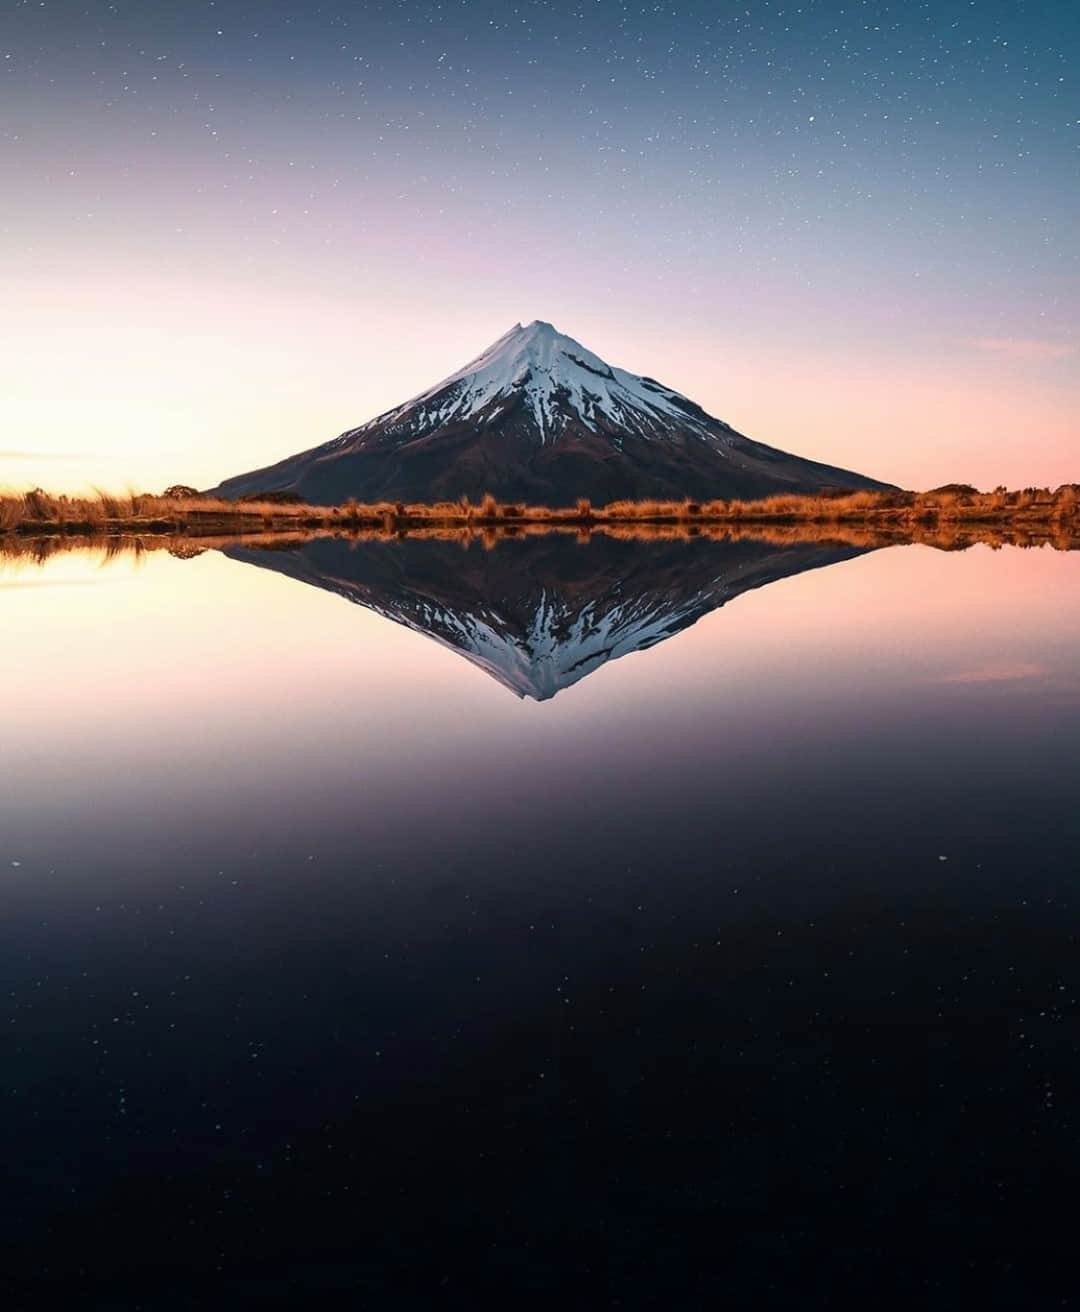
538	417
557	378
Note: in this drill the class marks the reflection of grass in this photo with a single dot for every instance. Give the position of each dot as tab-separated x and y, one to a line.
950	516
40	547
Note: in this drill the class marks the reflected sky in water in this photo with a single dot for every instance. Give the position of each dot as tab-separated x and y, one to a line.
281	872
189	683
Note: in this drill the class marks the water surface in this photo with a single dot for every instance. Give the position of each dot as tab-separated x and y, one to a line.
618	921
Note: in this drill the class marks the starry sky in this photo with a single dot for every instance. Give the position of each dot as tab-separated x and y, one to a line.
232	229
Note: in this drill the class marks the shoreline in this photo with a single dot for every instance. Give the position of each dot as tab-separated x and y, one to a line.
955	509
118	540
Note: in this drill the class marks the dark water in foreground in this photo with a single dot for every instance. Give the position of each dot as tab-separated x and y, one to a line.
687	925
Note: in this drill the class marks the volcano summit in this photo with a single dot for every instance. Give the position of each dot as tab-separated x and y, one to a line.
538	417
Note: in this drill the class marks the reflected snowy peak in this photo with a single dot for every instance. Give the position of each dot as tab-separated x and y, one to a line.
540	614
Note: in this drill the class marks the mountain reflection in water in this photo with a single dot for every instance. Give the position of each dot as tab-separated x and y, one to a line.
335	977
540	614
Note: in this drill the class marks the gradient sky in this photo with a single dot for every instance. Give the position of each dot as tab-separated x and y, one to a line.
231	230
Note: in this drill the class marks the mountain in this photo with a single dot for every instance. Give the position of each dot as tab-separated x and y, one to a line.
538	417
540	613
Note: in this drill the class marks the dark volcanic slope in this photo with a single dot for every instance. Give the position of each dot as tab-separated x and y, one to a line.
538	614
538	417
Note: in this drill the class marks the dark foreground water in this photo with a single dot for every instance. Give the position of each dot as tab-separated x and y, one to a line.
674	925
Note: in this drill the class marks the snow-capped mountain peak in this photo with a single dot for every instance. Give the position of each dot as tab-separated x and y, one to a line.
539	418
557	380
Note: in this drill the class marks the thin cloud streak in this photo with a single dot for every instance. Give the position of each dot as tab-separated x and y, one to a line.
45	455
1005	672
1022	348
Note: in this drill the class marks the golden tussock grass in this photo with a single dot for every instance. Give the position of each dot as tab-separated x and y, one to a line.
957	510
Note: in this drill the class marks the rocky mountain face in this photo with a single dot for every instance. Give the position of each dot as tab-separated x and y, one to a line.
540	614
538	417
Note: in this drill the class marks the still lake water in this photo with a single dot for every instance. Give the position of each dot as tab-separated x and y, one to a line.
617	945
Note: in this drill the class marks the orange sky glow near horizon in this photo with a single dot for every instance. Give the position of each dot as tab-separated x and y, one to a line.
158	381
226	241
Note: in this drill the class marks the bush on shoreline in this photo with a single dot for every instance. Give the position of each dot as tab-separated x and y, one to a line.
179	510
